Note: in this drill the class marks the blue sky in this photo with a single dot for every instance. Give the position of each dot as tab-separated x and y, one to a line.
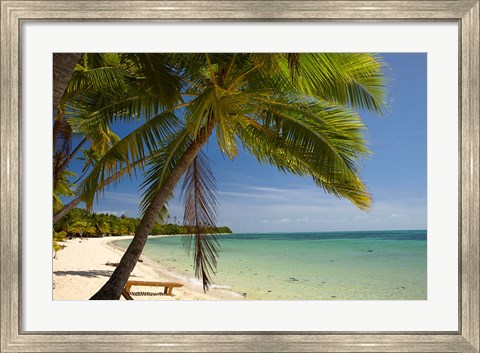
256	198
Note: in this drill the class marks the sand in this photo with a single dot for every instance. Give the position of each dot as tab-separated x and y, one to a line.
80	270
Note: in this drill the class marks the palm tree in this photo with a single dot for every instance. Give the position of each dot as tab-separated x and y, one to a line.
293	111
105	88
95	80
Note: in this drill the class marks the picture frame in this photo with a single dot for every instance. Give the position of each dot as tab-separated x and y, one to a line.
465	13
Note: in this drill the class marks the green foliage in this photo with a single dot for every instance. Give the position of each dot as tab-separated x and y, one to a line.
63	187
58	237
199	192
80	222
223	230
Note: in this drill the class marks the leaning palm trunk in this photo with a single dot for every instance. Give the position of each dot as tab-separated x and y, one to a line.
63	66
63	165
72	204
66	209
113	288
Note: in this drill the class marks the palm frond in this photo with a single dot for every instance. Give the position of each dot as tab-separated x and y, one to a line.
199	193
314	140
160	78
349	79
108	80
143	141
163	215
332	136
100	72
91	111
269	63
294	65
200	110
161	164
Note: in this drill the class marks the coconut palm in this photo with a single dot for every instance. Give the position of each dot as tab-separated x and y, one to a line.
97	80
292	111
105	88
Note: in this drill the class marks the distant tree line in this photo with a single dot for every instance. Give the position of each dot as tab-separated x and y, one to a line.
80	222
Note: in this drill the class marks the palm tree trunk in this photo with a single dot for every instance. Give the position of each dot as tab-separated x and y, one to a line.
114	286
57	169
66	209
72	204
71	155
63	66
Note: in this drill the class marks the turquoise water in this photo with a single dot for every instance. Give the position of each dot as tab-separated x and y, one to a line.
373	265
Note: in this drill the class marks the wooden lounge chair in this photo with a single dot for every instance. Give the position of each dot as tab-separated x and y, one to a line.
127	294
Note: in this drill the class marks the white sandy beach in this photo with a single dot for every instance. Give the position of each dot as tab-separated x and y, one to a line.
80	270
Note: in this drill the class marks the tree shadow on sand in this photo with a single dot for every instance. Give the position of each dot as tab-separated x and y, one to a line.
88	274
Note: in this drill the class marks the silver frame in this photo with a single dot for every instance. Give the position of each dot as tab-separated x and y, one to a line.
465	13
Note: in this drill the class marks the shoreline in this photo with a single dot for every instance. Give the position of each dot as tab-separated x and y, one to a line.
80	270
187	281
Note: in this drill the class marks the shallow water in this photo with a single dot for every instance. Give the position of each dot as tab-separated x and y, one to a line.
373	265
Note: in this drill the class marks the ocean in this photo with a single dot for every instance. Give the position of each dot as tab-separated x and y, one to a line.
362	265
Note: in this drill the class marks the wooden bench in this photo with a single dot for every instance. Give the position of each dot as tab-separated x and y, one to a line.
167	291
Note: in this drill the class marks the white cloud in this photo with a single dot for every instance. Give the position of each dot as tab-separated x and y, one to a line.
270	209
283	220
247	208
116	213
